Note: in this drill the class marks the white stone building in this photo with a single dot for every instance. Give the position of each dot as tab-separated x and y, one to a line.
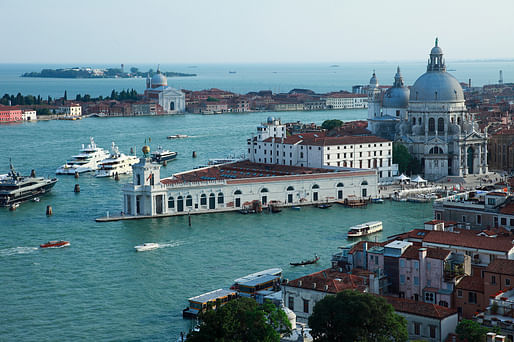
172	101
273	146
434	124
239	185
29	115
346	101
72	110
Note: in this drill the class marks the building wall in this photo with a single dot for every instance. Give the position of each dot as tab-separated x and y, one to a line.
442	327
501	151
29	115
298	296
467	307
494	283
10	115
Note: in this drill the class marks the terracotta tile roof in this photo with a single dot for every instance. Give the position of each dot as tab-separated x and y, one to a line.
345	140
466	238
358	247
434	222
508	209
438	253
471	283
411	253
501	266
420	308
330	281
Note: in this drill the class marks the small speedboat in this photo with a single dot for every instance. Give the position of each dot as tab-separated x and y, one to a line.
296	208
55	244
177	136
13	206
377	200
36	199
147	247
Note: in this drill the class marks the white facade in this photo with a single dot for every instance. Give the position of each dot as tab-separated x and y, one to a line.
74	110
172	101
346	101
148	195
272	146
428	328
29	115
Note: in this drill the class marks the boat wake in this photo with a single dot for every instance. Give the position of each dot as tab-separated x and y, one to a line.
171	244
17	250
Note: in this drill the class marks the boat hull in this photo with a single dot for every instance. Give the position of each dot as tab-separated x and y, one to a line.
72	170
9	199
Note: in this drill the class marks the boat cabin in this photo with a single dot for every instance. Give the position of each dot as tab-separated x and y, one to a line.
209	300
250	287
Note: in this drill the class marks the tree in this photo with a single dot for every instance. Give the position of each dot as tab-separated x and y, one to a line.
134	70
401	156
355	316
242	320
472	331
331	124
65	95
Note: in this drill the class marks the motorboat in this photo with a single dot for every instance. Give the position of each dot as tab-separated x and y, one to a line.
36	199
306	262
15	188
162	155
14	206
55	244
324	206
177	136
117	163
87	160
365	229
377	200
148	246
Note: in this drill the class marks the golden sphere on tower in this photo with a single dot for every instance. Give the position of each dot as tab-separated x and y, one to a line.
146	149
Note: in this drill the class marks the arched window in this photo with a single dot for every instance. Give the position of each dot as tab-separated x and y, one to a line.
171	202
458	121
203	199
340	185
220	198
440	125
264	190
419	121
431	125
290	188
413	121
237	192
364	182
315	186
189	201
138	178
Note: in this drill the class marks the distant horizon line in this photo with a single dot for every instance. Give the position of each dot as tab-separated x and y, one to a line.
192	64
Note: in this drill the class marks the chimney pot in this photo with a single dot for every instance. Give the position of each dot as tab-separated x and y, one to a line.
313	285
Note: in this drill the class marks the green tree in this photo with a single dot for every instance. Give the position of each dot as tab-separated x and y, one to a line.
331	124
134	70
65	95
401	156
355	316
472	331
242	320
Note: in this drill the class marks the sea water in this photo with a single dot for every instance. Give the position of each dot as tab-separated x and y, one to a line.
100	288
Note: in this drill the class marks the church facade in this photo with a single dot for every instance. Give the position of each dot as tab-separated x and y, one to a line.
172	101
431	120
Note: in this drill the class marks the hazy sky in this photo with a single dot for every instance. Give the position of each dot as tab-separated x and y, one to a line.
267	31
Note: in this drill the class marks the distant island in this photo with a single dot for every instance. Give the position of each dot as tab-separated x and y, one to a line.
82	72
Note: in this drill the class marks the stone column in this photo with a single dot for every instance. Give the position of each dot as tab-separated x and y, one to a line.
479	159
465	160
484	160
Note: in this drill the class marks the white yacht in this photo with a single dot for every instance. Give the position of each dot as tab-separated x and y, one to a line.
365	229
87	160
148	246
117	163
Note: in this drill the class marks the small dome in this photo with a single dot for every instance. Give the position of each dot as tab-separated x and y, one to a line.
396	97
146	149
436	50
271	119
436	86
373	81
159	80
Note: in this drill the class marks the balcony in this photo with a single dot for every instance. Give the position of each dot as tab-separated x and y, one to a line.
456	266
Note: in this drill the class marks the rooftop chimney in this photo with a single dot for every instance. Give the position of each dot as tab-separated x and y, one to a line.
326	287
313	285
300	283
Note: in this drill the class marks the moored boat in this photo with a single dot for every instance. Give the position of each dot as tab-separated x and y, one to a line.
365	229
15	188
87	160
209	300
55	244
117	164
324	206
377	200
162	155
148	246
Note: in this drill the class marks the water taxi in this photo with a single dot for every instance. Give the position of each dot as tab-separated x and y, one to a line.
55	244
177	136
365	229
161	155
206	301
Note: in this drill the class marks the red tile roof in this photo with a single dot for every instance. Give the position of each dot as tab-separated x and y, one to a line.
471	283
346	140
359	246
330	281
420	308
434	253
508	209
501	266
467	238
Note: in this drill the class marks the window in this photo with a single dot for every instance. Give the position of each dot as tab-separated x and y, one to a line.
416	265
472	297
479	219
402	279
503	221
491	201
416	281
459	293
507	281
171	203
417	328
440	125
189	201
429	282
443	303
432	331
512	222
290	303
431	125
306	305
493	280
429	297
429	266
220	198
402	262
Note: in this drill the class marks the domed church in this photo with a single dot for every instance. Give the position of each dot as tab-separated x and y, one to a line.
171	100
434	123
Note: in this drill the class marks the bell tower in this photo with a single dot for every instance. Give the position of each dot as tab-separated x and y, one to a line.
374	106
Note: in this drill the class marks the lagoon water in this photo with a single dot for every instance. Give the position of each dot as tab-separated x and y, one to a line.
99	288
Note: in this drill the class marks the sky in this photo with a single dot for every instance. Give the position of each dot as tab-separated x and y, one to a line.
258	31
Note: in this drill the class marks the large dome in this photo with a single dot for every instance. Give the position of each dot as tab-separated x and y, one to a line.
159	80
396	98
436	86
